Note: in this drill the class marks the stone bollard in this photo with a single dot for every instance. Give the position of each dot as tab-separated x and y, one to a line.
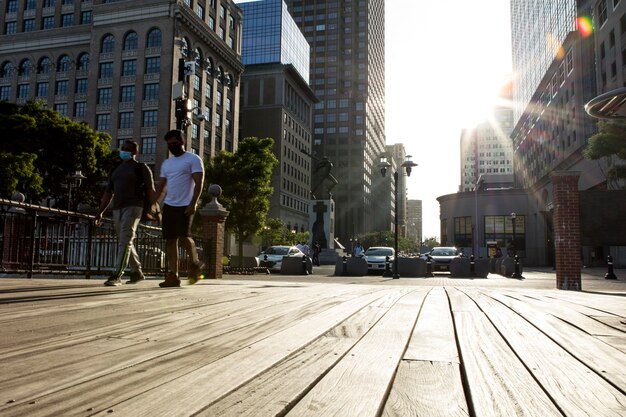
472	266
429	267
516	273
609	263
305	271
345	265
387	272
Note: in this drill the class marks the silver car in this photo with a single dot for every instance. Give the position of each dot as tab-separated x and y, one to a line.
272	257
376	257
442	256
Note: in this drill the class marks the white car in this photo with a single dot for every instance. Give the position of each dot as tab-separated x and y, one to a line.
272	257
376	256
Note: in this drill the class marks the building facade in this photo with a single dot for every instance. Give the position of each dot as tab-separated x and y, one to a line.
414	220
348	77
277	102
113	65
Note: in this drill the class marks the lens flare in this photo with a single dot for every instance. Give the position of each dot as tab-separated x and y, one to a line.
584	26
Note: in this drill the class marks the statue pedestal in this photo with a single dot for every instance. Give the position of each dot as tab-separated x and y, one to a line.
322	219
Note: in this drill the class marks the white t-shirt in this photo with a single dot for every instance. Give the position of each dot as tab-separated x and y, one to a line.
177	171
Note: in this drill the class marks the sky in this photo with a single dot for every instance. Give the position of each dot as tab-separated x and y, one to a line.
443	68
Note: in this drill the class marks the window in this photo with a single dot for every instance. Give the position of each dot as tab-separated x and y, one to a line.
200	11
80	109
64	64
26	67
10	28
23	90
12	6
5	92
86	17
130	41
105	95
81	86
67	19
154	38
47	22
127	94
463	231
29	25
148	146
602	14
42	89
61	108
129	67
126	120
149	118
103	122
48	3
500	229
211	23
83	62
45	66
151	92
106	70
30	5
62	88
153	65
108	44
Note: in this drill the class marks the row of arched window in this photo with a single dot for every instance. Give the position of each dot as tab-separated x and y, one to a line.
44	66
131	41
207	64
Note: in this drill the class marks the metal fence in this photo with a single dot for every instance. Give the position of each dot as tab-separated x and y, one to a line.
41	240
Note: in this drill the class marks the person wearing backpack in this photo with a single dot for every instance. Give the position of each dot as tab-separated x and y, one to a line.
127	187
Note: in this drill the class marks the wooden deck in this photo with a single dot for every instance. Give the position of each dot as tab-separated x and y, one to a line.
258	346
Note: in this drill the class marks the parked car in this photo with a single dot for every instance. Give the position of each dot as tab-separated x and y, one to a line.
272	257
376	257
441	257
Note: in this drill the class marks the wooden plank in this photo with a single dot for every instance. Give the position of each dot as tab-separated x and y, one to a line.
570	383
433	337
427	389
499	384
196	389
108	369
274	392
357	385
607	361
428	381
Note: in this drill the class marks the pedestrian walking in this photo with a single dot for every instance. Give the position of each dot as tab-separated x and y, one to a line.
181	177
316	253
127	186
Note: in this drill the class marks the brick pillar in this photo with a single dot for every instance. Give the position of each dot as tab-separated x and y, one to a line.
213	218
567	229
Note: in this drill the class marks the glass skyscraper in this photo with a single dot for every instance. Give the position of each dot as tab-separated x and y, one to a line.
270	35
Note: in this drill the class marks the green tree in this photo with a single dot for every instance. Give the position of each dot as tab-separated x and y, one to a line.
62	147
16	170
386	238
609	142
245	180
431	242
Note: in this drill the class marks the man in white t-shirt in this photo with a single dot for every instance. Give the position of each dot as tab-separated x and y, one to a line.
181	176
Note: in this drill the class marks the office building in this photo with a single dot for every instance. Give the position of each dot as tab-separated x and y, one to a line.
347	74
277	102
414	220
113	65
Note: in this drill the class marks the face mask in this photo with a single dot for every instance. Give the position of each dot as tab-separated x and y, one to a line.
126	155
175	148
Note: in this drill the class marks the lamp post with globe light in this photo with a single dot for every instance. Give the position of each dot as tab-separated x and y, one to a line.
408	166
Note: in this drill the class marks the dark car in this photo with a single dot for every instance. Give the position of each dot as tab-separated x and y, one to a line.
442	256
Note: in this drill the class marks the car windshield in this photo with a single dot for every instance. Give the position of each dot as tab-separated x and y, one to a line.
443	252
276	251
379	252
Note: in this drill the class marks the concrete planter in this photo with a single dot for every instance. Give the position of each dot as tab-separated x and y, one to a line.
411	267
354	266
292	265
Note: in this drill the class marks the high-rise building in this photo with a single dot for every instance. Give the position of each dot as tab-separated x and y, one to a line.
347	41
277	102
414	220
398	154
487	151
538	29
113	65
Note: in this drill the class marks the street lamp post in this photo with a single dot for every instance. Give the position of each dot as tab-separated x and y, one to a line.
475	228
516	271
74	181
408	166
513	217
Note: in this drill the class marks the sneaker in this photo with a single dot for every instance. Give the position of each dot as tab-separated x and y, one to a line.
171	280
113	282
194	274
135	277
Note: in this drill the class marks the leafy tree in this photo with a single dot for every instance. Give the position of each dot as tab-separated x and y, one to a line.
431	242
16	170
610	141
275	232
245	180
62	147
386	238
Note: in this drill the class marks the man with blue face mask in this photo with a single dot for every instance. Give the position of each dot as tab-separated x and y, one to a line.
126	188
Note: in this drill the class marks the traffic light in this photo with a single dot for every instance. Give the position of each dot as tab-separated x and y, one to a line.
182	108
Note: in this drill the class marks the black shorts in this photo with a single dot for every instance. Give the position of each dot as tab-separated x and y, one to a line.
175	223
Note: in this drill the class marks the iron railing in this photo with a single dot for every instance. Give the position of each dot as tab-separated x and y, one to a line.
42	240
